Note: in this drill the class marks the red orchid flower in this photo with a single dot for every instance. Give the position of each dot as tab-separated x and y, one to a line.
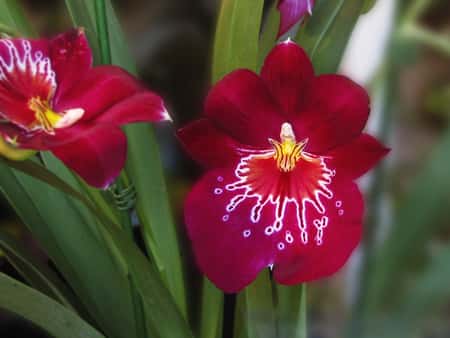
292	11
283	151
51	98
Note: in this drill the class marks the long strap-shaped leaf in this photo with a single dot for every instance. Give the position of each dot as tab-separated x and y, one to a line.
143	163
162	316
35	272
237	36
11	17
73	244
325	35
42	311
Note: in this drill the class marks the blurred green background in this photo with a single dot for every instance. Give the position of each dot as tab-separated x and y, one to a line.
397	284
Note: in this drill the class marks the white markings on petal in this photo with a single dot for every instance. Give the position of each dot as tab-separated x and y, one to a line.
219	179
218	191
225	218
341	212
281	246
288	237
269	230
338	204
320	224
309	194
24	61
247	233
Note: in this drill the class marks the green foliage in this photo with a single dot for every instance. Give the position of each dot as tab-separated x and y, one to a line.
143	162
62	230
269	34
35	272
237	35
13	20
257	309
325	35
368	5
211	315
42	311
291	311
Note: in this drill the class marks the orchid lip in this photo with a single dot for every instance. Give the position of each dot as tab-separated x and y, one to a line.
49	120
299	181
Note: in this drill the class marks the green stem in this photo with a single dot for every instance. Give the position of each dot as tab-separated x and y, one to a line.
302	324
291	310
102	31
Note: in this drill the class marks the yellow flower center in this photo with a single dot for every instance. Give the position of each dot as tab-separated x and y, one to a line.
288	151
46	118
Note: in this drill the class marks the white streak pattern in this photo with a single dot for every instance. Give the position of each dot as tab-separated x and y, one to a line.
35	64
281	202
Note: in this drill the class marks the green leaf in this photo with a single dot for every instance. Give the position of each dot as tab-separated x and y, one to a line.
269	34
163	317
325	35
60	228
42	311
258	309
35	272
82	13
32	168
12	17
237	35
368	5
143	166
166	321
211	319
159	232
291	311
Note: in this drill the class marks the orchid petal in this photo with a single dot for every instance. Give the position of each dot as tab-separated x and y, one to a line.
288	72
71	58
143	106
98	90
209	146
242	106
358	157
228	248
97	157
339	229
334	112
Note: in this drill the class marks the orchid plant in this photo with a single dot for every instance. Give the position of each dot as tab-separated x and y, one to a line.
281	141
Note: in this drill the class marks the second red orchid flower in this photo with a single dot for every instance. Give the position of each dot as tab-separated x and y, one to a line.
51	98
